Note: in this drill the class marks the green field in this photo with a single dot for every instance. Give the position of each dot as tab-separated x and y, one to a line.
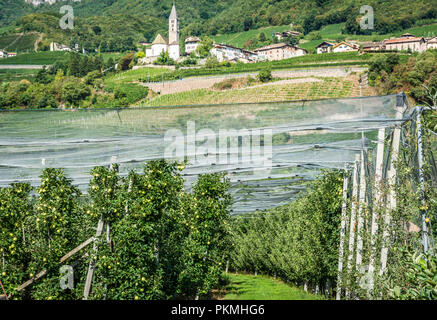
249	287
134	75
18	43
238	39
16	74
114	55
325	88
37	58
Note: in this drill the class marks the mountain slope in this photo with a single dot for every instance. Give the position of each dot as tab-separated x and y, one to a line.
226	16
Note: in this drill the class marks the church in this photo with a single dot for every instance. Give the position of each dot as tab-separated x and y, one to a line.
161	44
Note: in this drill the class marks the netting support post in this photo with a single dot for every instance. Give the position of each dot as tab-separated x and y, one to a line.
342	232
353	219
361	207
377	204
391	177
425	237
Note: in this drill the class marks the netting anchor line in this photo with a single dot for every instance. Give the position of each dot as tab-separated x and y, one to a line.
342	231
391	177
423	211
353	217
377	204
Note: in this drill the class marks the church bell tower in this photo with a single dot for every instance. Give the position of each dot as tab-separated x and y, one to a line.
173	27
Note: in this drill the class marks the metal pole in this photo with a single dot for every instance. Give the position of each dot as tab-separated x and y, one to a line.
422	181
377	204
342	232
353	217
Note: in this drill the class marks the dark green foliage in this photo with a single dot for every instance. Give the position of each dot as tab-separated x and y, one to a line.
297	242
118	25
265	75
415	76
125	62
164	242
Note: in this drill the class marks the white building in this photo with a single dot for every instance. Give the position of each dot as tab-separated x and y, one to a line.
224	52
406	42
279	51
59	47
3	54
344	47
161	44
431	43
191	44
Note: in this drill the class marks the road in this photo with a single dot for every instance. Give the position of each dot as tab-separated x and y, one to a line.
21	66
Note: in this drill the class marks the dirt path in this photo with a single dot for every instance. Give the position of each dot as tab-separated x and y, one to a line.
188	84
37	42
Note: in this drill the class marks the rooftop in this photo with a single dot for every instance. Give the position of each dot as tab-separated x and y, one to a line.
276	46
404	39
160	40
192	39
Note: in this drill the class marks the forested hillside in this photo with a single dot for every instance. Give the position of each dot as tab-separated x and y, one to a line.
225	16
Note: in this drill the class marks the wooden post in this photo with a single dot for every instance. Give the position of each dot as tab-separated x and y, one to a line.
63	259
361	206
391	177
342	233
377	204
92	265
353	217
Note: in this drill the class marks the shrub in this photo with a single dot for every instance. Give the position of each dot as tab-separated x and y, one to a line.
265	75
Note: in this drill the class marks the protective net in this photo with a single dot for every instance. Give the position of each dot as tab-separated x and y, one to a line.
269	150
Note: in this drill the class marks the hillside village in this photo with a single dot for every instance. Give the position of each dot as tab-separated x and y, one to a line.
280	50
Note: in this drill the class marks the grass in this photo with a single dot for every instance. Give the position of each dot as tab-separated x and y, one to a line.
17	43
37	58
238	39
249	287
114	55
326	88
134	75
16	74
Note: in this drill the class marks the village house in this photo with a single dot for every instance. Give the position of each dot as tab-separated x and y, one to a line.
431	43
191	44
279	51
344	47
161	44
373	47
11	54
286	34
324	47
224	52
406	42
